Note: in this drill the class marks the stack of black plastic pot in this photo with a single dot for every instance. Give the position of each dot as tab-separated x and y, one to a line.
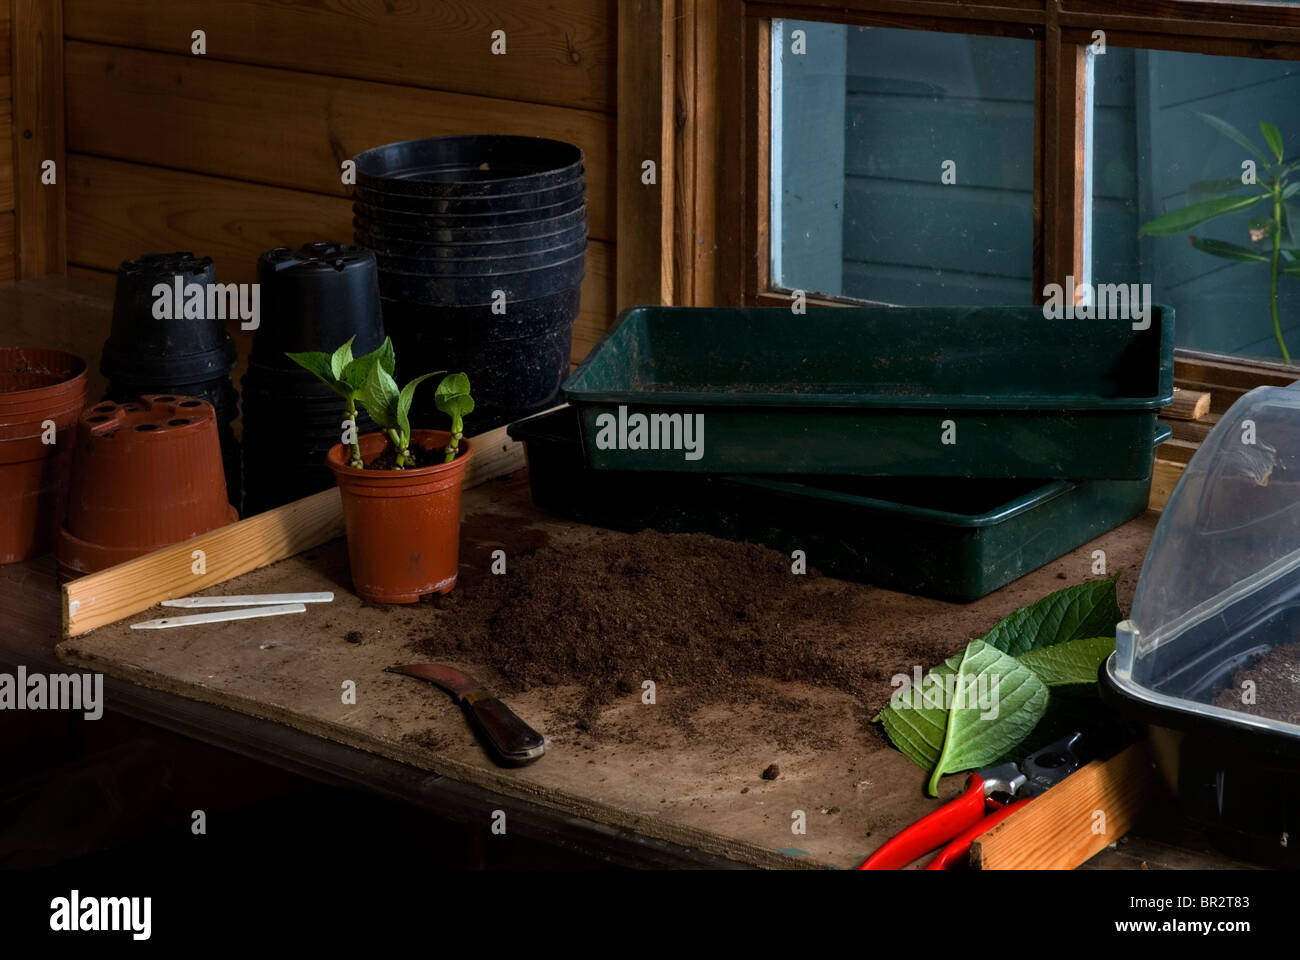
168	337
481	245
313	299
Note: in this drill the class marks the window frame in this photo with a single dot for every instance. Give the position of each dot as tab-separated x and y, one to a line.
693	91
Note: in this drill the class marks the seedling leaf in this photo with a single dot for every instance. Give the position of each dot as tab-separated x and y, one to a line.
404	403
341	358
379	397
316	362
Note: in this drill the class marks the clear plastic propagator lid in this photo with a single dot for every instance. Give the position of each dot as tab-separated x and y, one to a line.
1214	632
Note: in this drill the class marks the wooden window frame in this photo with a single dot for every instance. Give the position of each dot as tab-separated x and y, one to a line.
693	91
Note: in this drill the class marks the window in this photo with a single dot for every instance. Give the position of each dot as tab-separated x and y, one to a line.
902	164
1167	128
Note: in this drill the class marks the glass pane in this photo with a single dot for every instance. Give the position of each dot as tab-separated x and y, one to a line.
902	164
1167	135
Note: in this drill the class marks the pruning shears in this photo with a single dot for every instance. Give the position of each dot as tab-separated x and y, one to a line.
991	795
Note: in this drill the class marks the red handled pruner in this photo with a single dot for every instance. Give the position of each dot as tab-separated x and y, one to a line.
991	795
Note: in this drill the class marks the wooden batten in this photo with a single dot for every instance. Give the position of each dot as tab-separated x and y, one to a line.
1076	819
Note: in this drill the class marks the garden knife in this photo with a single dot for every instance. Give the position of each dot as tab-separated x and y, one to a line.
511	741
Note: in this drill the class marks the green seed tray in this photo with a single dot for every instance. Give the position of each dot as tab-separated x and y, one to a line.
876	391
950	539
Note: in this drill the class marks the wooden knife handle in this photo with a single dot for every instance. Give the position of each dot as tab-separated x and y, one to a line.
513	741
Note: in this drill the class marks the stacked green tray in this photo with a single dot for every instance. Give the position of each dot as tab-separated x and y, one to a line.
954	540
996	392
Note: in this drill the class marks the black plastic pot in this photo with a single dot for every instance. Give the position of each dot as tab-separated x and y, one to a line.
467	291
372	233
503	218
475	206
315	298
499	250
469	166
143	347
514	370
522	319
483	266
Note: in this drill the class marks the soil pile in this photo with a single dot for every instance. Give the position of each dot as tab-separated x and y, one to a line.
682	609
1276	676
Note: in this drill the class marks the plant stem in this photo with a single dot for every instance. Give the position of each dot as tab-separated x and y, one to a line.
350	412
1277	254
457	431
403	453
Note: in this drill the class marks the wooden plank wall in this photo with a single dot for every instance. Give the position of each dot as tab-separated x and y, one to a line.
239	150
6	147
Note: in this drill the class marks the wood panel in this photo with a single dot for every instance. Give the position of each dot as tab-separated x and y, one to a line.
38	118
645	111
118	210
289	129
7	262
6	155
6	87
555	53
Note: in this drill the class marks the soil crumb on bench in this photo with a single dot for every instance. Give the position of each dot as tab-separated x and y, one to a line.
684	610
1276	676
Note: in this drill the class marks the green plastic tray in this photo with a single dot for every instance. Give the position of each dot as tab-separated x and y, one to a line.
953	540
877	391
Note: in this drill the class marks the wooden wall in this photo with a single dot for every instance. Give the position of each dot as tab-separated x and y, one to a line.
239	150
6	148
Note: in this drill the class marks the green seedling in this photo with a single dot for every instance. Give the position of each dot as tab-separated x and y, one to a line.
454	400
1274	183
368	380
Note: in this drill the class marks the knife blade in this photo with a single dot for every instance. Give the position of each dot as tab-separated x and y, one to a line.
510	740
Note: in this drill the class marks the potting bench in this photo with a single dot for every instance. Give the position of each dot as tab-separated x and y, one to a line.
270	691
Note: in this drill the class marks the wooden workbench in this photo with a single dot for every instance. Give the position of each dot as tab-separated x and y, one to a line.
662	798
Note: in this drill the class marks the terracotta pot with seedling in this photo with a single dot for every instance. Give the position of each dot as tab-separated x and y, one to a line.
400	487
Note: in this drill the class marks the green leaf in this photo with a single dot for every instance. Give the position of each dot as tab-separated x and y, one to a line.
1073	662
379	397
356	373
997	703
1232	133
384	354
341	358
317	363
1290	191
1087	610
1178	221
1203	190
1228	251
1273	137
404	403
453	397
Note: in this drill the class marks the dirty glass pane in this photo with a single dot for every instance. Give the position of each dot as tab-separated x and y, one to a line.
902	164
1167	132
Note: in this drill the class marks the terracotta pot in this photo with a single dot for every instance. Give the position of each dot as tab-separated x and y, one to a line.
403	526
37	386
146	474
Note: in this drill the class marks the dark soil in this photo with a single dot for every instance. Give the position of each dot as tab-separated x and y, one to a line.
1276	676
708	620
423	458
